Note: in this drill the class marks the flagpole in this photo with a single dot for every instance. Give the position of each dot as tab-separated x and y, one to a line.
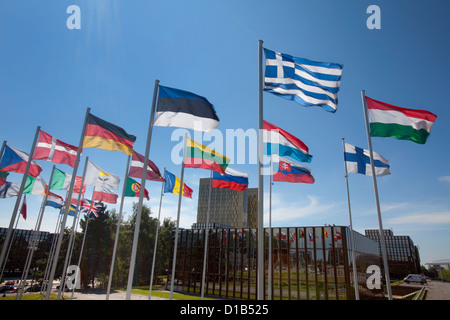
35	237
19	198
69	196
382	240
116	240
3	148
141	194
260	270
174	260
72	234
77	273
156	240
269	274
205	249
352	237
10	245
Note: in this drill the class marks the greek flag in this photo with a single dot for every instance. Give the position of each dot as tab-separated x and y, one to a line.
309	83
357	160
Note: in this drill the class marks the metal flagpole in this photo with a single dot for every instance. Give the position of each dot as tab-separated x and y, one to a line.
69	197
72	234
269	274
205	250
141	195
260	269
352	237
178	219
382	240
156	240
116	240
35	237
19	198
77	272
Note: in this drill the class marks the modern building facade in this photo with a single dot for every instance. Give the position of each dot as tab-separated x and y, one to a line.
403	256
236	209
307	263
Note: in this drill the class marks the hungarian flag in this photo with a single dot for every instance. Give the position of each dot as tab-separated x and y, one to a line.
200	156
51	149
105	135
133	188
14	160
105	195
387	120
137	165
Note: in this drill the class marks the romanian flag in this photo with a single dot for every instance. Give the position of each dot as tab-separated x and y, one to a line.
172	185
200	156
105	135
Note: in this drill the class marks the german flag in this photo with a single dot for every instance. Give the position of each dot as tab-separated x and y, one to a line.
105	135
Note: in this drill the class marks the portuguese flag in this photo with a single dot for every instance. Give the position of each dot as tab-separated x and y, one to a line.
387	120
132	189
200	156
105	135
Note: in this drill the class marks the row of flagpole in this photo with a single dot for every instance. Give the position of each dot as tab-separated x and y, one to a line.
260	226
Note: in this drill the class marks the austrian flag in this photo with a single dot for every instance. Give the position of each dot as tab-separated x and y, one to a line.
51	149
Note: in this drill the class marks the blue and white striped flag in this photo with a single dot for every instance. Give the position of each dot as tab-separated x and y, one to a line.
309	83
357	160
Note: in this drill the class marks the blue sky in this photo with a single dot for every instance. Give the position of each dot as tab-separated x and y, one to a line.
49	75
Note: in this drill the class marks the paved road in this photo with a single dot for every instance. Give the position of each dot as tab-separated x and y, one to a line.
112	296
438	290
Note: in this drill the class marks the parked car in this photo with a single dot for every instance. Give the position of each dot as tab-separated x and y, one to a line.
8	289
415	278
33	288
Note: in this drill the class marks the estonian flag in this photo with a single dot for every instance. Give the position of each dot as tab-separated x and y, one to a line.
105	135
178	108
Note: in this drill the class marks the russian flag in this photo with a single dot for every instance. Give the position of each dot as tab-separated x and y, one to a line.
288	171
232	179
14	160
281	142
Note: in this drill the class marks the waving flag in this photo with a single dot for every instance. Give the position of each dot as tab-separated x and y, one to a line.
35	185
90	208
51	149
387	120
358	161
55	201
96	176
232	179
72	210
14	160
178	108
105	135
105	195
307	82
281	142
200	156
23	209
9	189
172	185
3	176
133	188
288	171
137	165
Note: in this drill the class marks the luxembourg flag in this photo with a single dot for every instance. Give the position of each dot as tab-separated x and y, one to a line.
288	171
14	160
281	142
232	179
54	200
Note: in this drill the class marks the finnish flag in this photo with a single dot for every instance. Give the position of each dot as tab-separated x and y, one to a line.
357	160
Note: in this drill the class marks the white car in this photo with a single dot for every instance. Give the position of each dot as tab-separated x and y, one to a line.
415	278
